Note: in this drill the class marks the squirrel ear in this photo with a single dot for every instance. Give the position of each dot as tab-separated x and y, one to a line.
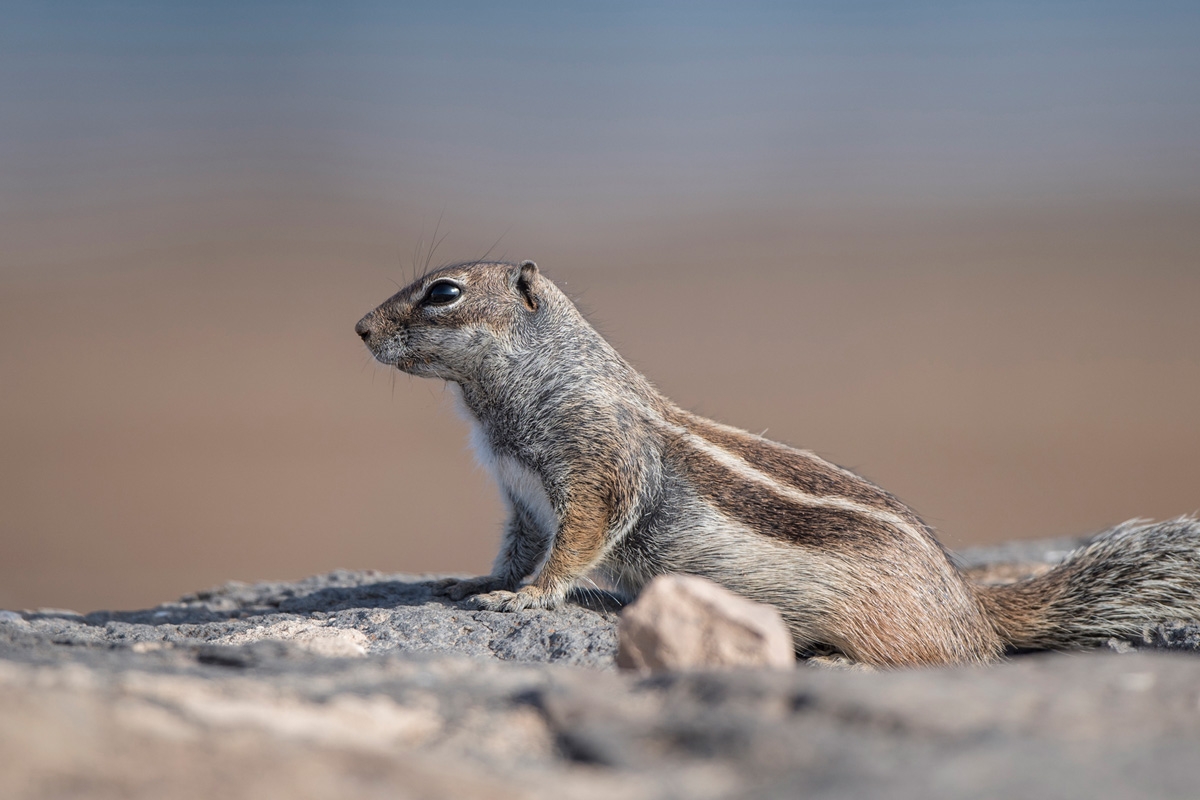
526	277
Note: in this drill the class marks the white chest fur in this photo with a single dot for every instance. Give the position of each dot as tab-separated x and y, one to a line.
515	479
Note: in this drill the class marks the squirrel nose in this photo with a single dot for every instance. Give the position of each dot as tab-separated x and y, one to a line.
363	329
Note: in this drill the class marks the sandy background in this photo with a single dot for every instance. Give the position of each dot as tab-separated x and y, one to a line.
956	251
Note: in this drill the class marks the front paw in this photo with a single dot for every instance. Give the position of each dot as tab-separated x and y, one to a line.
459	588
527	597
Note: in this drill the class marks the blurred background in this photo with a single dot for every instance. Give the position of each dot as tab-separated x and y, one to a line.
954	246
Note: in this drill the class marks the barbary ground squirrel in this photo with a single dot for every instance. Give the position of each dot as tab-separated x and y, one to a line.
601	471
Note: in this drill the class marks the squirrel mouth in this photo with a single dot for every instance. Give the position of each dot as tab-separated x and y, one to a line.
391	355
408	363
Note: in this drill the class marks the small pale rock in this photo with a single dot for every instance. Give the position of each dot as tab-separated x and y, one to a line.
686	622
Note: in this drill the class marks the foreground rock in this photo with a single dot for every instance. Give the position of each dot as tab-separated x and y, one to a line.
686	622
365	685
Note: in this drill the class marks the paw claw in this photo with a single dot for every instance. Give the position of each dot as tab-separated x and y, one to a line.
526	597
459	588
500	600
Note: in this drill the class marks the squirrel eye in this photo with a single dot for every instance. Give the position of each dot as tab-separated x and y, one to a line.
442	293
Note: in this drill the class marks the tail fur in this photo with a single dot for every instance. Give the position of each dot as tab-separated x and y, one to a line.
1118	584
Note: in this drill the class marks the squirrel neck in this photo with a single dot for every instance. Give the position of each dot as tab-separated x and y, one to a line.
551	364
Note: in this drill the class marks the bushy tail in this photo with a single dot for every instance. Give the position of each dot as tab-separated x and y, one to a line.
1121	582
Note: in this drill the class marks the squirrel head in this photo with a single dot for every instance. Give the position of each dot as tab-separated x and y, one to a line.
448	323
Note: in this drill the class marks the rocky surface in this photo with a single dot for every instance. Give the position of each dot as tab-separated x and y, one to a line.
365	685
347	614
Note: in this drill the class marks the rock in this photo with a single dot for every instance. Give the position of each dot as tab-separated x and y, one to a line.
291	723
687	622
359	684
1021	551
347	614
1172	636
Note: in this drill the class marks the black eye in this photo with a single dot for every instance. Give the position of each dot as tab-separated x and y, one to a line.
442	293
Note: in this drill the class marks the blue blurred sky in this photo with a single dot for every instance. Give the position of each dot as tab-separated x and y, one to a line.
570	108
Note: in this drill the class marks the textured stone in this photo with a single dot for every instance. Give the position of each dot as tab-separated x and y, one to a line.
339	614
686	622
357	684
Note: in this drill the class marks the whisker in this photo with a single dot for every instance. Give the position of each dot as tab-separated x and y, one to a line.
495	244
436	241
